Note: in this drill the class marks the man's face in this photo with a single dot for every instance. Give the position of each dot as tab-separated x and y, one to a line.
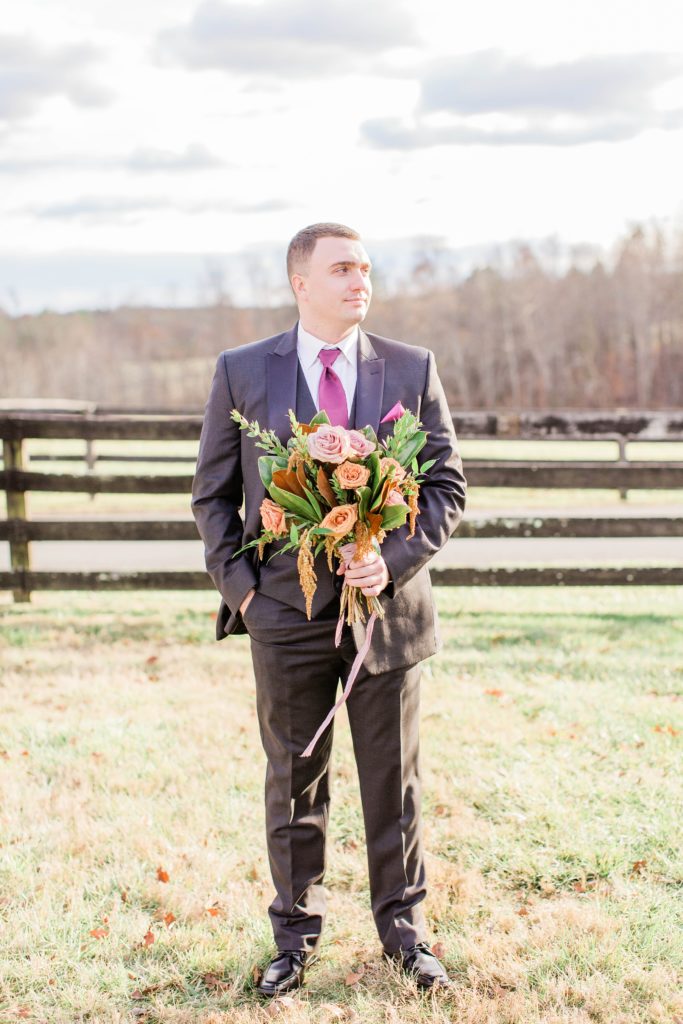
335	288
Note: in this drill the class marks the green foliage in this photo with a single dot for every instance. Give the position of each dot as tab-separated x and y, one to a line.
293	503
267	466
393	516
268	439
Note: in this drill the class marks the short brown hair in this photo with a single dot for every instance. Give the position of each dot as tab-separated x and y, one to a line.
302	245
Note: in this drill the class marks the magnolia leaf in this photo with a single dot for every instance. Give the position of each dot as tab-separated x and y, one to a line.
325	489
393	516
315	504
381	495
364	496
293	503
266	465
375	472
287	480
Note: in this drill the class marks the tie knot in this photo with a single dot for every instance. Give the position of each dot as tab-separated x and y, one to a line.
327	356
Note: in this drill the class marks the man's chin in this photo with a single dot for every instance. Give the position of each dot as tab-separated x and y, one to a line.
356	314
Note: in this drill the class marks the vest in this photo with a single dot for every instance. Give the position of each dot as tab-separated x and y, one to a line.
279	578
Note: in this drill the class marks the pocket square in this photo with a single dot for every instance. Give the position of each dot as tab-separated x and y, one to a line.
394	413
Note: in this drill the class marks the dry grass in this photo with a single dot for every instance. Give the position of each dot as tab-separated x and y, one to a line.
552	734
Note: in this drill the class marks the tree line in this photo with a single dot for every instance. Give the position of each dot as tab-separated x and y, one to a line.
529	336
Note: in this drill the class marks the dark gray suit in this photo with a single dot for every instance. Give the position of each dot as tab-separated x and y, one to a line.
296	666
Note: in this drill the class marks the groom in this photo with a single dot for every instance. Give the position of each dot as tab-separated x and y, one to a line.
327	361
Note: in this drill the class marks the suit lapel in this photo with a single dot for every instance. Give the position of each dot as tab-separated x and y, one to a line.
281	373
369	385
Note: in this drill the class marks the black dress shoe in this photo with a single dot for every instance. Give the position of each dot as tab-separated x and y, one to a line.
420	962
285	972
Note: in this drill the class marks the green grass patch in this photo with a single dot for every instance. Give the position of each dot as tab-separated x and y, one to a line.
552	732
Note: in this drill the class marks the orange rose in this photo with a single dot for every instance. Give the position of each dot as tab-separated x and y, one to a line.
399	471
351	475
273	517
341	520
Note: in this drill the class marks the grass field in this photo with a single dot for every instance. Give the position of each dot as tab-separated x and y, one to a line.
133	874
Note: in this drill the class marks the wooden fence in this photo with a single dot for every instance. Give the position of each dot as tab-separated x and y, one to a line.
621	474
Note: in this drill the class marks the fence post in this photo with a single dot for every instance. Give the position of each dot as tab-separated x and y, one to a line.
622	441
13	455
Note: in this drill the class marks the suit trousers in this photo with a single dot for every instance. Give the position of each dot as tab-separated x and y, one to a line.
298	670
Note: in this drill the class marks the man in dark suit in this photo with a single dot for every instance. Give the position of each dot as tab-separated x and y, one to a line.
297	667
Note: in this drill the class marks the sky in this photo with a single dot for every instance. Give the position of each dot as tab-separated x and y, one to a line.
149	150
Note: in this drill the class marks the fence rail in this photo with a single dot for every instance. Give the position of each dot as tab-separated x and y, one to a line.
620	474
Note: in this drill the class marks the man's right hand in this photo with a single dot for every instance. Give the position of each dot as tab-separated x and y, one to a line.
245	603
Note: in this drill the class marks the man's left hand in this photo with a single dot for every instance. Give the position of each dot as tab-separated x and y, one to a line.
371	574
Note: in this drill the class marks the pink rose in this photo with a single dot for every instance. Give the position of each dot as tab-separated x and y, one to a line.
394	497
398	471
329	444
361	447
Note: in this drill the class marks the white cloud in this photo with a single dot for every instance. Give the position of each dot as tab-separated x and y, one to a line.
31	73
608	98
301	39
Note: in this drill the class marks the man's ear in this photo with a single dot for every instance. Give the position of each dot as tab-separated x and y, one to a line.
298	283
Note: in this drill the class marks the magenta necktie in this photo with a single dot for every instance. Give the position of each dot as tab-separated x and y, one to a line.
331	394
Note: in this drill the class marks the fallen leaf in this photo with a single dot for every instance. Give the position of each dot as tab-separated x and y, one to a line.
281	1003
214	911
638	866
99	933
149	938
353	977
124	896
23	1011
439	950
169	919
162	875
523	912
494	693
256	974
152	658
216	984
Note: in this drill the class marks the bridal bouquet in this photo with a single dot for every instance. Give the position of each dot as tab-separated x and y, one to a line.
340	491
337	490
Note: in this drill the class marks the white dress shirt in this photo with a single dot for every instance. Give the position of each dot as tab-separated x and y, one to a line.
308	347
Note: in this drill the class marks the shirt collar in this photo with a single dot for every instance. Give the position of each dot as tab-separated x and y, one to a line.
309	346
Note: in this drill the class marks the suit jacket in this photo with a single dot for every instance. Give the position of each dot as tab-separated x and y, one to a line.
260	380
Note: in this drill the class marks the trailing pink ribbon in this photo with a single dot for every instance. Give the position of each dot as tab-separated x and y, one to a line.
355	668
